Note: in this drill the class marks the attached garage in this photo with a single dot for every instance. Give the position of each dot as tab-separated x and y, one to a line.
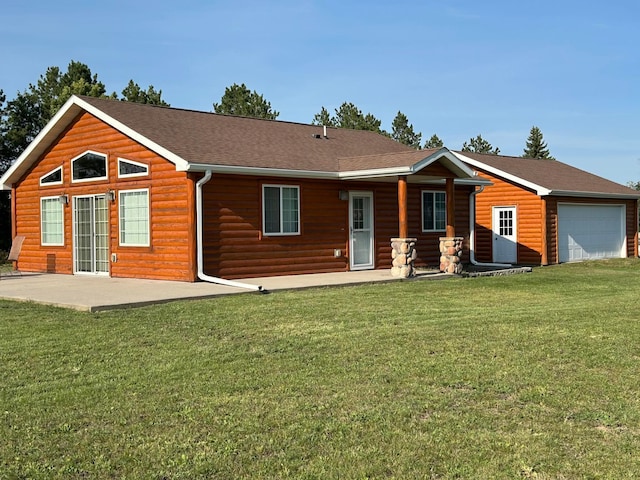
591	232
560	213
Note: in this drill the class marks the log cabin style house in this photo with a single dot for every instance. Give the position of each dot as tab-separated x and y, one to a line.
540	212
129	190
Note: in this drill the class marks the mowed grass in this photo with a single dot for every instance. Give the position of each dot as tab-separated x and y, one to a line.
523	376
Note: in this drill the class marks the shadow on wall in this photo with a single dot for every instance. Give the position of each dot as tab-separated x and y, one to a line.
484	249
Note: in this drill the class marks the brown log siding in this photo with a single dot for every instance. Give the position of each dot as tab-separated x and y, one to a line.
235	246
532	217
170	254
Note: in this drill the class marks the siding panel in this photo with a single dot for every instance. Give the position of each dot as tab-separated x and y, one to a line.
170	255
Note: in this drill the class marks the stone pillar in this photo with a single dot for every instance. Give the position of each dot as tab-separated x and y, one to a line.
451	254
403	253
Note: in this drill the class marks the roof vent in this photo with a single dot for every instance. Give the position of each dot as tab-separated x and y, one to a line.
316	135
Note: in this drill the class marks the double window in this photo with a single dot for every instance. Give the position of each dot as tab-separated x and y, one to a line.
51	221
281	210
434	211
134	218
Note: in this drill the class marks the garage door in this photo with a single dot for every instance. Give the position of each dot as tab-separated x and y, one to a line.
588	232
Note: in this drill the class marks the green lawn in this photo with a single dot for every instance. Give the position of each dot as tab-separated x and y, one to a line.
524	376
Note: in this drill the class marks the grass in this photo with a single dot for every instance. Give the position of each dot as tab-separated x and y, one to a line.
525	376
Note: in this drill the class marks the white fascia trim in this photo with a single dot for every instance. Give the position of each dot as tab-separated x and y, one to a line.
181	164
449	155
261	171
375	173
540	190
564	193
5	184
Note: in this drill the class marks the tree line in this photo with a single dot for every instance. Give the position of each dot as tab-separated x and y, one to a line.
23	117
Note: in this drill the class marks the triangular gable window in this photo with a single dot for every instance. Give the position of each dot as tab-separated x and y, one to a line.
129	168
89	167
54	177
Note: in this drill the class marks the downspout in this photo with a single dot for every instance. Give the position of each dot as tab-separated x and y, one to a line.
200	242
472	232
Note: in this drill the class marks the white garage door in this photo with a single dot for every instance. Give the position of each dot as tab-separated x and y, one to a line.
588	232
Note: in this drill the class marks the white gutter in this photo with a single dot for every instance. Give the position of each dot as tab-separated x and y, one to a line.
200	243
472	232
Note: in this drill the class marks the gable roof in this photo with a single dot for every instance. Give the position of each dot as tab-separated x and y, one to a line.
547	177
198	141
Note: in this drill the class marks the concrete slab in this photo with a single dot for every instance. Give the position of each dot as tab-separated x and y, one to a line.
95	293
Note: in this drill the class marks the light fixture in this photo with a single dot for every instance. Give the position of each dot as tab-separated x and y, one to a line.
343	195
63	199
111	195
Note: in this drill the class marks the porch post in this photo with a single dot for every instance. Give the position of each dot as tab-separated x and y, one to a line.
403	251
450	245
451	208
402	207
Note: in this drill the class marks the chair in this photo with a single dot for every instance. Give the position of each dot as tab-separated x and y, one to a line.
14	253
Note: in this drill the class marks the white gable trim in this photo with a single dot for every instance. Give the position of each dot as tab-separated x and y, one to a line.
56	126
539	189
181	164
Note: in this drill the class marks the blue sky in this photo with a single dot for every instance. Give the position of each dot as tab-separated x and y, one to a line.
457	68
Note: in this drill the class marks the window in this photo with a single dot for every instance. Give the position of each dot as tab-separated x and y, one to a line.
129	168
51	221
281	210
434	211
89	167
134	218
54	177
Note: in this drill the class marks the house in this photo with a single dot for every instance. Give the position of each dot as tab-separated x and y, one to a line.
543	212
129	190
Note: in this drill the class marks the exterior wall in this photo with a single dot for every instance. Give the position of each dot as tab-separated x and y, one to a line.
172	243
529	217
236	248
537	221
631	221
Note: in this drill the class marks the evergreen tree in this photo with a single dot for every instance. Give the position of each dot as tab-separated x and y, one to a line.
479	145
536	146
323	118
133	93
239	100
434	142
402	131
349	116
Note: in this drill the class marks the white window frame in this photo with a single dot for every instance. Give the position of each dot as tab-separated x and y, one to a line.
48	184
422	200
56	201
93	179
281	232
121	219
132	162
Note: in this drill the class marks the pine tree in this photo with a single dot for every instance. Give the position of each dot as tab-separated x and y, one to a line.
239	100
402	131
536	146
479	145
434	142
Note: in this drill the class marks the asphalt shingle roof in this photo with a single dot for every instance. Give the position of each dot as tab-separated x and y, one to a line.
209	138
552	175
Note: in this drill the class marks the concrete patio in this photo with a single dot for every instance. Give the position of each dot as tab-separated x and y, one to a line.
95	293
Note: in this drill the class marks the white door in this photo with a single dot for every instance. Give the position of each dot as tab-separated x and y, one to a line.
591	232
91	234
505	241
361	230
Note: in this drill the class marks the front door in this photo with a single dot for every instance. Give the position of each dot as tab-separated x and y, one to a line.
361	230
91	234
505	244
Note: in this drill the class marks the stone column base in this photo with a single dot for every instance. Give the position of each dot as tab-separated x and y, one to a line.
450	254
403	253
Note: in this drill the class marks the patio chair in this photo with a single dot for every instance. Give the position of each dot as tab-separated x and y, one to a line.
14	253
